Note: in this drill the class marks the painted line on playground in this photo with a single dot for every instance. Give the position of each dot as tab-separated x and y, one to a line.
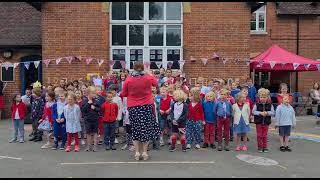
8	157
141	162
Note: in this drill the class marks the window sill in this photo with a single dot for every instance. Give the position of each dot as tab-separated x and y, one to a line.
258	32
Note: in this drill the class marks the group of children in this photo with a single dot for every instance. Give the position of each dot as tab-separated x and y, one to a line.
214	113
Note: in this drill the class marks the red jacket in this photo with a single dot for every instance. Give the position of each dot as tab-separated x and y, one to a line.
138	90
109	111
165	103
22	110
47	113
196	113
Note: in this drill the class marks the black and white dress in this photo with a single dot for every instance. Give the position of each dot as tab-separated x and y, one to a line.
143	122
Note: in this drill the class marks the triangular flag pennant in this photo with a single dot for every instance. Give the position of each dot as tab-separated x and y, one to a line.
111	63
261	62
215	56
283	64
146	64
88	60
58	60
100	62
272	64
15	65
78	58
36	64
224	61
193	59
159	64
318	66
204	61
247	62
236	61
169	65
7	65
123	64
47	62
181	62
295	65
27	65
307	66
70	59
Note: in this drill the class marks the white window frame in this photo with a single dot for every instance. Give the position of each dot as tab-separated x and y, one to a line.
145	22
257	12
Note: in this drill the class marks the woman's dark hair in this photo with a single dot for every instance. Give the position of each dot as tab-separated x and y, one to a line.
69	83
52	95
315	84
138	66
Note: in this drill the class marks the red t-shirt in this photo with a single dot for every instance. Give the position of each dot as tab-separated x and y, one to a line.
279	98
196	113
165	103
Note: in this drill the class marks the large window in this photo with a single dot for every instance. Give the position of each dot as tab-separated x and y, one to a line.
258	20
148	31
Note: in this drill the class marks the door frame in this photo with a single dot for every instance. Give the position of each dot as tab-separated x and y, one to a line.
30	58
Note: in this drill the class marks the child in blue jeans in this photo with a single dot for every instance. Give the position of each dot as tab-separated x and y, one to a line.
18	111
59	121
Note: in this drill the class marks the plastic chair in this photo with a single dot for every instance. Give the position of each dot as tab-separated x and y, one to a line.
298	102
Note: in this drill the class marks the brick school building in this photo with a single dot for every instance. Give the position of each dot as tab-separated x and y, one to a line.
162	33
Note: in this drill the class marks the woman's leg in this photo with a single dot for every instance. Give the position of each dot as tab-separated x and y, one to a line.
145	147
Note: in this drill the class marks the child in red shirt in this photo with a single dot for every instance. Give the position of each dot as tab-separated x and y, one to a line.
47	116
110	113
165	109
18	111
195	118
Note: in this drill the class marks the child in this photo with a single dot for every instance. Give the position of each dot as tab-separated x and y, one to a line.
252	91
18	111
169	79
100	96
37	107
216	89
165	102
241	114
79	101
204	89
195	118
110	112
117	100
178	115
210	118
224	112
72	114
285	120
91	113
47	116
59	121
262	112
283	92
156	141
234	89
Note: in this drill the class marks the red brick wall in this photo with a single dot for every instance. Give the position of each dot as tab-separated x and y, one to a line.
216	27
76	29
282	31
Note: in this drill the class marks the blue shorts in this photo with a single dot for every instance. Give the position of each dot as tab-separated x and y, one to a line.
284	130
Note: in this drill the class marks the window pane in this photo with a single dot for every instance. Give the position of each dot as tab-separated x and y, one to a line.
135	10
135	55
173	35
173	10
155	58
118	55
253	25
155	35
118	35
261	26
253	16
261	17
136	35
118	10
155	10
173	56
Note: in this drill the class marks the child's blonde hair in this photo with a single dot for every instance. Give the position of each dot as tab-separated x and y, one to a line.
210	95
224	91
263	92
72	95
179	95
238	96
195	92
91	89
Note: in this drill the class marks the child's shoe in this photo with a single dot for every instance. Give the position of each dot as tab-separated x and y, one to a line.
184	149
244	148
94	149
219	147
113	147
198	146
88	148
188	146
116	141
83	142
55	146
172	148
62	147
205	145
212	146
226	147
21	141
13	140
260	150
125	147
100	143
238	148
161	142
265	150
76	149
45	146
145	156
68	149
137	156
282	149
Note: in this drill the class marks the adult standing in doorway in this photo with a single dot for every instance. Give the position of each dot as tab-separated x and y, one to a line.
1	99
140	103
315	95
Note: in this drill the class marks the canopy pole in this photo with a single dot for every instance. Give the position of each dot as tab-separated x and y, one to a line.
252	76
298	29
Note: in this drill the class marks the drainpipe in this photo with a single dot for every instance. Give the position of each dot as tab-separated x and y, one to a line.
297	45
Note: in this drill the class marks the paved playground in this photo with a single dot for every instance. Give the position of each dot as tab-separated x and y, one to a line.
28	160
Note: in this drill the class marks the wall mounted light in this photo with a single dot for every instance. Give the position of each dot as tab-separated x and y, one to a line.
7	54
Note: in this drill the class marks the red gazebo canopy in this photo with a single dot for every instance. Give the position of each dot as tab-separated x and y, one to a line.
277	59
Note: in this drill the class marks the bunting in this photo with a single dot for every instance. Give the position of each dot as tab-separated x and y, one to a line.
193	59
224	60
58	60
204	61
169	65
123	64
272	64
215	56
307	66
111	63
159	64
36	64
15	65
88	60
318	66
7	65
295	65
181	62
247	62
27	65
69	59
100	62
146	64
47	62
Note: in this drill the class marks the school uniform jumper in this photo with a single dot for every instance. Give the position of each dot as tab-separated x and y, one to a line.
211	120
224	112
110	114
194	122
59	129
18	113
